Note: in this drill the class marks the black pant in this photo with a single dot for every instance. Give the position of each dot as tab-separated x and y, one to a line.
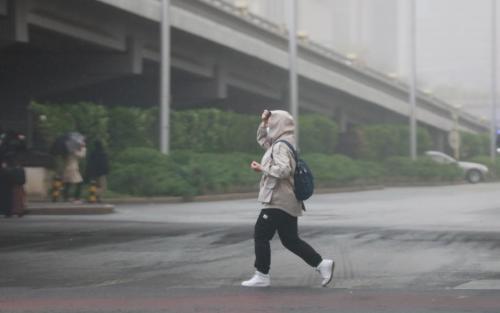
6	193
78	189
270	221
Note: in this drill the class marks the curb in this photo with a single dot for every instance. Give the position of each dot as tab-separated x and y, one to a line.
48	208
39	206
229	196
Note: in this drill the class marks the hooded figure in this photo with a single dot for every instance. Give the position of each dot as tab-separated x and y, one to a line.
280	207
278	164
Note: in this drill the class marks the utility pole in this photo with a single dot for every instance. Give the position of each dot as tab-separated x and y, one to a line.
165	78
292	61
493	124
413	80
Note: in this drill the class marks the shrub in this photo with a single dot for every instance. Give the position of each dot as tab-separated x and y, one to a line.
494	167
202	130
130	127
424	169
147	172
91	120
212	130
209	172
473	145
334	170
318	134
216	131
144	171
383	141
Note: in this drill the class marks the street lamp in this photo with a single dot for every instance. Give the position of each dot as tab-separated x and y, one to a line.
493	130
292	60
413	80
454	136
165	78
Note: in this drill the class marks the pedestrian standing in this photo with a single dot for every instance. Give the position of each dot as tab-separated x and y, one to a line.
98	168
18	176
12	176
71	174
280	208
6	189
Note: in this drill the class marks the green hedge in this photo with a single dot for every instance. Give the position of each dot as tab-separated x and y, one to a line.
318	134
473	145
203	130
146	172
423	169
384	141
87	118
212	149
212	130
130	127
334	170
494	167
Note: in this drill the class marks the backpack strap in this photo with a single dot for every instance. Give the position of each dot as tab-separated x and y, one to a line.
295	156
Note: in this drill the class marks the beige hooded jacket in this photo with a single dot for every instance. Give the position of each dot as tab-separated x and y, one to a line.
276	184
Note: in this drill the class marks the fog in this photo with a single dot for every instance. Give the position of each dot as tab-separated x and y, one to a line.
453	40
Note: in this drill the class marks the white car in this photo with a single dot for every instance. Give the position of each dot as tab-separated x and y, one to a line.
474	172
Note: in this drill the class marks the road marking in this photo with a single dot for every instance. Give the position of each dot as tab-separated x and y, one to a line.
486	284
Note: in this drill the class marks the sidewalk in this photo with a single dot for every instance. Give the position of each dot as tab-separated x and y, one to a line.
67	208
45	207
38	206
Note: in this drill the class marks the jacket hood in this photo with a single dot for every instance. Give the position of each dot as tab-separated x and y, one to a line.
281	126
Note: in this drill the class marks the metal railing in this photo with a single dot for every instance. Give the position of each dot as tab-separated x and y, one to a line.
327	52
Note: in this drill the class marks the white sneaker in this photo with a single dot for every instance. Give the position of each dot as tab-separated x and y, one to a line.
325	269
258	280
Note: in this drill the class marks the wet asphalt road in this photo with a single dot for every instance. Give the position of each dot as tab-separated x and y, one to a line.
397	250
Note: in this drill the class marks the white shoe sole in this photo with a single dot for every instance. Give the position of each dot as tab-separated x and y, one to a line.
325	283
256	286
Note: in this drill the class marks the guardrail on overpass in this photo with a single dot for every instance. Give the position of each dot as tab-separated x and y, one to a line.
225	25
221	22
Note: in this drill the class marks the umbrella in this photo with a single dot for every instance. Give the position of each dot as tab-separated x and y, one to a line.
74	141
67	143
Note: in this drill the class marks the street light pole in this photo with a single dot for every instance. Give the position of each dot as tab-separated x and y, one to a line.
165	78
493	124
413	80
292	61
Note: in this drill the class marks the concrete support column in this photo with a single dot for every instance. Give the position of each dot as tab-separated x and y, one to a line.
221	79
202	91
15	26
3	7
341	119
439	140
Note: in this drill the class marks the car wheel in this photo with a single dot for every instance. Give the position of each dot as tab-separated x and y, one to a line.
474	176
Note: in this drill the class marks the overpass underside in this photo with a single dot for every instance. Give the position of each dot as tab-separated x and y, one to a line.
70	51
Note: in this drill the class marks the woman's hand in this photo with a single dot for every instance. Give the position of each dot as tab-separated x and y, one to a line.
256	166
265	116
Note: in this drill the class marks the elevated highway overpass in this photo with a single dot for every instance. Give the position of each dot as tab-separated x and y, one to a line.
107	51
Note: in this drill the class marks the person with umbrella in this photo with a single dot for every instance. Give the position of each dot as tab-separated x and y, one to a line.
72	147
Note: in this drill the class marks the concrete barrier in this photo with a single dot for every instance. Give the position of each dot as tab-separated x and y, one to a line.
38	181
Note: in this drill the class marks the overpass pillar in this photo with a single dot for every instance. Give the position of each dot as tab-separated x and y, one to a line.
15	26
439	140
341	119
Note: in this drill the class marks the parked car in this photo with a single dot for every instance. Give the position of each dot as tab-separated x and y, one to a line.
474	172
